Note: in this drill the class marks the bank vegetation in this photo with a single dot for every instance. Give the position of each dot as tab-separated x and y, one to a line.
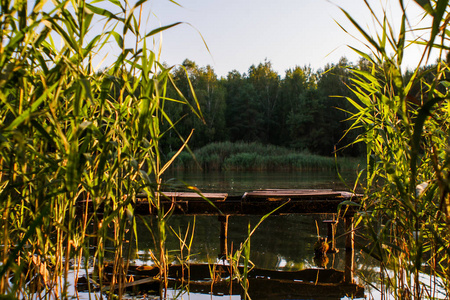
241	156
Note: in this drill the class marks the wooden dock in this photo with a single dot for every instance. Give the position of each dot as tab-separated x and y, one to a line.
263	202
260	202
214	280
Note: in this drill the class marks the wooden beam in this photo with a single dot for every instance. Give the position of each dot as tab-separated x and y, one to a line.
253	203
349	249
350	233
223	236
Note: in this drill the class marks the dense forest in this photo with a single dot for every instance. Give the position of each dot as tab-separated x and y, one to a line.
299	110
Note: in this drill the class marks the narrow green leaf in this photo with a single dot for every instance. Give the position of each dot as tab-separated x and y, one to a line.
424	112
426	5
87	19
162	28
118	38
438	13
103	12
364	33
27	113
62	32
401	40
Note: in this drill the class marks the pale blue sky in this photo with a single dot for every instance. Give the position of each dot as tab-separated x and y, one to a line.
240	33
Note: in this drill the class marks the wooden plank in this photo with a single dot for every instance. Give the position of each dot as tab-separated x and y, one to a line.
264	284
304	191
149	280
262	194
292	194
195	196
202	271
261	202
189	196
308	192
276	289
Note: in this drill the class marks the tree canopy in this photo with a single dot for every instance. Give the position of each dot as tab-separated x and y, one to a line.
300	110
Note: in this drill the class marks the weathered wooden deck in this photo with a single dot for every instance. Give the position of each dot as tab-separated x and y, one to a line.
215	280
260	202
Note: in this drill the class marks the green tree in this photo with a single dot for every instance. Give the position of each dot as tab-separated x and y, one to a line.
293	87
243	119
333	82
210	95
266	83
305	120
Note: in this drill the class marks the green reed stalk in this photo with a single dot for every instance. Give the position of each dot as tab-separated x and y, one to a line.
406	120
69	134
186	242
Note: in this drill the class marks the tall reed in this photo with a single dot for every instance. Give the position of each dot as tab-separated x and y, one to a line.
406	118
69	133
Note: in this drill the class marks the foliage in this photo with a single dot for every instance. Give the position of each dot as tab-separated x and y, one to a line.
299	111
69	134
406	130
256	156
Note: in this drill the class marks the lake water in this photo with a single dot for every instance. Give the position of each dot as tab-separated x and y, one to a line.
239	182
280	242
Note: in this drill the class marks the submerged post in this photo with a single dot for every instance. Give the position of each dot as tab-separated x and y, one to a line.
349	249
331	233
349	266
223	236
350	233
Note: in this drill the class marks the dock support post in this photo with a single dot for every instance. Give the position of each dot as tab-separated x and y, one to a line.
350	233
349	266
331	233
349	249
223	236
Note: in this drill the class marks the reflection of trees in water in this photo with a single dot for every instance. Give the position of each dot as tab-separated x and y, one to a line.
283	242
237	183
288	238
206	236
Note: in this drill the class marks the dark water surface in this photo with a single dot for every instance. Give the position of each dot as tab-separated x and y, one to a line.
235	183
280	242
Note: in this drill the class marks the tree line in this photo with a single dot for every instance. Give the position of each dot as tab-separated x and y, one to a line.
305	110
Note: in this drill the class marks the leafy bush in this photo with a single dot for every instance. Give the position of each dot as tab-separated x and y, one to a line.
255	156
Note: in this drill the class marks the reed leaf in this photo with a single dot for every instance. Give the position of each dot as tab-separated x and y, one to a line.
69	134
399	130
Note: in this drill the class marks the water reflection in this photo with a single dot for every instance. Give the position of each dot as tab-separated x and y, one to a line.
284	243
279	243
236	183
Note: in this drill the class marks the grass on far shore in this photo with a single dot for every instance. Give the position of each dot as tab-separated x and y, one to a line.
241	156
